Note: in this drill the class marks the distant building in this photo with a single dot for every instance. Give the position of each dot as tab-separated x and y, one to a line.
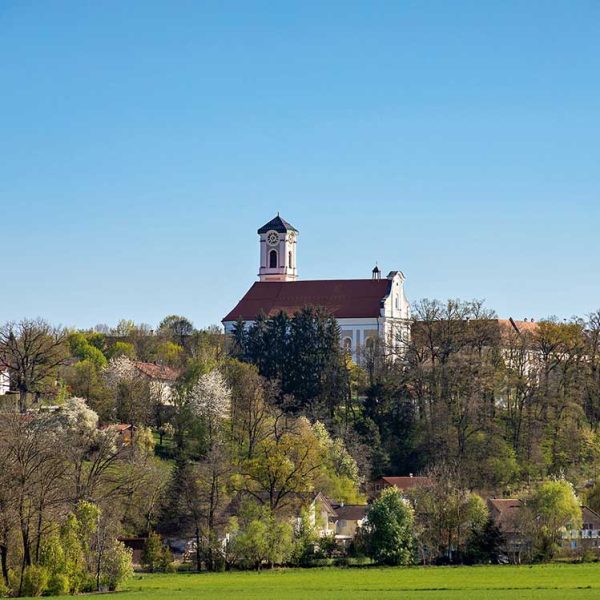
350	518
505	514
403	483
365	309
586	538
162	379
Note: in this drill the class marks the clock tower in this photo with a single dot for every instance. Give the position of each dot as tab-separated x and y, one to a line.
278	251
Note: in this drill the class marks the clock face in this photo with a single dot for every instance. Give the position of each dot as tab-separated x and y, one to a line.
273	238
291	238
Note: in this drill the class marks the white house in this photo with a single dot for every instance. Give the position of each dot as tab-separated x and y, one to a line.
365	309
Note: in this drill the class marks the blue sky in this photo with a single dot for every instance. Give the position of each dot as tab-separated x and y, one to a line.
143	143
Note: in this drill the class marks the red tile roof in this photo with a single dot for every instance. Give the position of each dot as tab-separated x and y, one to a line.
153	371
343	298
120	427
519	326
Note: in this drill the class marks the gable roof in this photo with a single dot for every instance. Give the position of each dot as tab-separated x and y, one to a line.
154	371
277	224
351	512
406	483
505	512
590	516
343	298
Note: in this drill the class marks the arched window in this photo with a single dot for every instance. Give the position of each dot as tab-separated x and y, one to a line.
273	259
347	344
290	260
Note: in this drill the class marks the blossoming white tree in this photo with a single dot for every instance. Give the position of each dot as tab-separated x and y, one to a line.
210	399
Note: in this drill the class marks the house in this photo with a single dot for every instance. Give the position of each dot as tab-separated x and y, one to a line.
584	539
124	431
403	484
505	515
350	518
161	377
365	309
322	516
4	381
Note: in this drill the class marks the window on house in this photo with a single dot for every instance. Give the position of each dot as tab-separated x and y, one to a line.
273	259
348	344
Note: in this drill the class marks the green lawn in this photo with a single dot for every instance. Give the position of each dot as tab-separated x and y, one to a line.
559	581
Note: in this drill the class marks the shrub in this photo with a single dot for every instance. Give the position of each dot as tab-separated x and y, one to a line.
35	581
153	555
118	566
58	585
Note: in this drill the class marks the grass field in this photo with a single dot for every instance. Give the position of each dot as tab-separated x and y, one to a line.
564	582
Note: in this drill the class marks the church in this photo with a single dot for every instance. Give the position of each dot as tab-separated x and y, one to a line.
365	309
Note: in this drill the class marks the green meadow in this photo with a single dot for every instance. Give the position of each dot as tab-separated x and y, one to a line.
564	581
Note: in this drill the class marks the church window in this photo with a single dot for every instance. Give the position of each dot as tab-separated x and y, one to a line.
348	344
290	259
273	259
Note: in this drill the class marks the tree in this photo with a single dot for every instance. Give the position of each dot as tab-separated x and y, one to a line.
288	461
201	498
177	327
551	509
260	538
446	514
153	553
251	396
210	399
33	351
485	544
390	523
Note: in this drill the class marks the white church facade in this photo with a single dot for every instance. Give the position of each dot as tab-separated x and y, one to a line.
366	309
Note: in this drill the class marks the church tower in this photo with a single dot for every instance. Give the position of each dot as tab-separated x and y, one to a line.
278	251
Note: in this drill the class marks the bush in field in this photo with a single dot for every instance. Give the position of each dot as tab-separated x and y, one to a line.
156	557
117	566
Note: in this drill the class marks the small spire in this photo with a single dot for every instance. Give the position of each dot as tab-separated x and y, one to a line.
376	273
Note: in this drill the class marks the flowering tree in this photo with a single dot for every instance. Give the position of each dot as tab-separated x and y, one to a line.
119	369
211	397
210	400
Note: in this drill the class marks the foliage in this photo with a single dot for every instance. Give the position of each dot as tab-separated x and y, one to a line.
446	515
35	581
303	354
485	544
153	556
262	539
550	509
390	523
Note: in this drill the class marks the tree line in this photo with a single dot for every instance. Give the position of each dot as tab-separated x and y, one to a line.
253	424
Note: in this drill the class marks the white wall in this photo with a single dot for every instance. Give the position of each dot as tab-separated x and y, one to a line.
4	382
